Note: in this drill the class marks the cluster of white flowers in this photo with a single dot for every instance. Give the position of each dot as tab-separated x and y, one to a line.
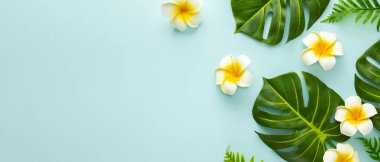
323	47
354	116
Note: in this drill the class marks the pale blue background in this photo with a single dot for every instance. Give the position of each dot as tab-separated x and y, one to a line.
110	81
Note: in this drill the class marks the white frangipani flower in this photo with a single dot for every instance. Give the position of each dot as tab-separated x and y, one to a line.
232	73
183	13
322	47
355	116
342	153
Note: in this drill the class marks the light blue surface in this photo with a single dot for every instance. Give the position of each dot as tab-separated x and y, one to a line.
110	81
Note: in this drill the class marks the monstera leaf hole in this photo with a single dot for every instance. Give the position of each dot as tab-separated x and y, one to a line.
373	61
251	17
268	19
367	79
301	130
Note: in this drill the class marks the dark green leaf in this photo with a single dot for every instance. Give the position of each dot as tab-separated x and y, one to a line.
250	17
367	86
280	105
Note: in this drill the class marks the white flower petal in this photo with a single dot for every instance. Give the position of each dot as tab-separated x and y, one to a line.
365	127
345	148
229	88
347	128
330	155
197	4
327	62
195	20
168	9
219	76
337	49
340	114
369	110
179	1
308	57
353	101
310	39
179	24
355	157
244	61
226	61
330	37
245	80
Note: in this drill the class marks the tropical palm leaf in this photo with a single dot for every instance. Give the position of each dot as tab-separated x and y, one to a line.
373	147
250	17
366	10
367	85
235	157
280	105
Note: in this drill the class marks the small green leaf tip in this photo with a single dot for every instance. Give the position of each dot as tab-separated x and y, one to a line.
235	157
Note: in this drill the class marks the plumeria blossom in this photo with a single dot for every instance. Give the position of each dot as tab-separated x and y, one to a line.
321	47
232	73
183	13
355	116
342	153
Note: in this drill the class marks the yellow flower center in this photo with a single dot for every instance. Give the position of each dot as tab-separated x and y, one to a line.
322	47
184	11
342	157
355	115
233	72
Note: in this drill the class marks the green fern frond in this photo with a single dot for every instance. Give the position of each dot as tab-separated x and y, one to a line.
235	157
373	147
365	10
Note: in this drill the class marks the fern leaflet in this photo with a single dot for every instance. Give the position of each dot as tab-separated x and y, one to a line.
365	10
235	157
373	147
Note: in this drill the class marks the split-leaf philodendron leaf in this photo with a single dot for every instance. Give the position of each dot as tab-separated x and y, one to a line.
250	17
367	85
280	105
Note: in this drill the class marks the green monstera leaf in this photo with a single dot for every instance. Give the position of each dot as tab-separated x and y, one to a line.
250	17
305	130
367	85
